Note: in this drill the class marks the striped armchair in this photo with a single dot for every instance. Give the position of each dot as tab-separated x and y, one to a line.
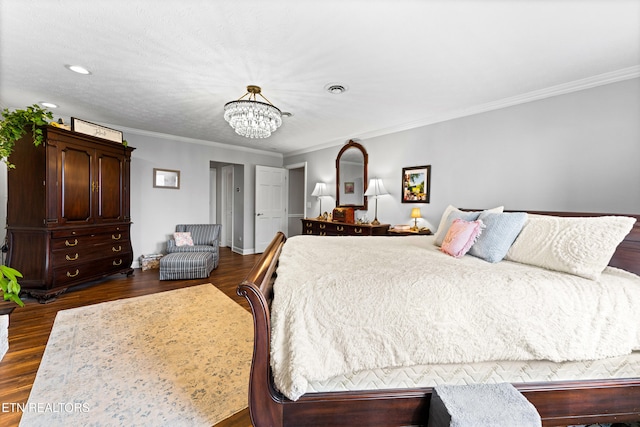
206	238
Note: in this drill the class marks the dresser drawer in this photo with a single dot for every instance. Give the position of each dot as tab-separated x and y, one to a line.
335	228
82	254
76	232
86	240
79	272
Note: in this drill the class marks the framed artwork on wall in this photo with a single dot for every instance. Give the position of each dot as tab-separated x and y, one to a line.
416	184
166	178
349	188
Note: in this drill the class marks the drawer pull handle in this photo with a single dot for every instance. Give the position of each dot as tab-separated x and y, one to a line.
323	233
118	249
309	231
68	243
114	237
358	230
309	225
322	226
71	259
117	262
340	228
73	275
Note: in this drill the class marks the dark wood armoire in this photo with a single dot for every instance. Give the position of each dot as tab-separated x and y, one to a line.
68	211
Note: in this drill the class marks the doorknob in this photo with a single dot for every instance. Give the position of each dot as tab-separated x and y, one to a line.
258	214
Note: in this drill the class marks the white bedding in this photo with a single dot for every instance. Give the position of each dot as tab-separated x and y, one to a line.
336	311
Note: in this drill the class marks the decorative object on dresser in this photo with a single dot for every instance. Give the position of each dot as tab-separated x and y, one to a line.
92	129
375	190
335	228
320	191
344	215
416	184
68	211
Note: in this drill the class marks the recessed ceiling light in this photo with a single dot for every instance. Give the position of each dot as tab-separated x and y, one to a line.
49	104
78	69
336	88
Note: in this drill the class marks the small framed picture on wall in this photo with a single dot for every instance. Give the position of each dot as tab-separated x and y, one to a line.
416	184
166	178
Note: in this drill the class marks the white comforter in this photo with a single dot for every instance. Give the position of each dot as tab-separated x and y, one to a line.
346	304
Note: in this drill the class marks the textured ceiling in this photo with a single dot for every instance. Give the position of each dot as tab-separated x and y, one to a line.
169	66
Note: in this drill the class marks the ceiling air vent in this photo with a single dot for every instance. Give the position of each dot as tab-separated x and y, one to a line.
335	88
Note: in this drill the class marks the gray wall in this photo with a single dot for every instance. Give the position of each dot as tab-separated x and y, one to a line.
156	211
574	152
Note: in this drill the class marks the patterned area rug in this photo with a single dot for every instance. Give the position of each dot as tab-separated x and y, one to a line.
176	358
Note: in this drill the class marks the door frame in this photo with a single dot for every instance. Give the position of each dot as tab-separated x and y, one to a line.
303	166
226	233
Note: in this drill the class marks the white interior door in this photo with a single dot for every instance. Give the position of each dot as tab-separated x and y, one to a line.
226	236
271	205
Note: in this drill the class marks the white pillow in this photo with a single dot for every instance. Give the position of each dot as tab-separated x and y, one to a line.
582	246
443	226
183	238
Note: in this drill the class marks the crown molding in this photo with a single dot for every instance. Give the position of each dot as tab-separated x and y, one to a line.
561	89
177	138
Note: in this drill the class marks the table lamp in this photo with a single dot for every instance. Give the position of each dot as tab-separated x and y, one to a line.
415	214
320	191
375	190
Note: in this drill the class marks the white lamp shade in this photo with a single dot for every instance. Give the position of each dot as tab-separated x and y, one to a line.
320	190
375	188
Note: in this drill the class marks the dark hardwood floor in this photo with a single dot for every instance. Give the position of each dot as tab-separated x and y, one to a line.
29	327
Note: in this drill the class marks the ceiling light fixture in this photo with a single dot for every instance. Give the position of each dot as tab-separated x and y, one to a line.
78	69
251	118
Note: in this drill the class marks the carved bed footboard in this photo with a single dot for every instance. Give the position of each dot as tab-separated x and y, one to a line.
559	403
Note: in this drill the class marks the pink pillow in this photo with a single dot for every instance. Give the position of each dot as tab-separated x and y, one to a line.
183	239
460	237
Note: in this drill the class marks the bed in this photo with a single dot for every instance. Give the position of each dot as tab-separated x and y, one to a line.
560	402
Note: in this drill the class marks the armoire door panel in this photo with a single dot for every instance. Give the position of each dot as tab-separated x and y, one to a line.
76	185
109	187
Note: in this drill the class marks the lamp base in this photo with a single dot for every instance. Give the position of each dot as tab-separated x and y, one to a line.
375	222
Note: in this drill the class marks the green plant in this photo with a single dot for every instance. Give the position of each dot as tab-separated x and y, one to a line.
9	284
14	125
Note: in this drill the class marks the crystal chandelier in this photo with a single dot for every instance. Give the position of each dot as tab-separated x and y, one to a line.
251	118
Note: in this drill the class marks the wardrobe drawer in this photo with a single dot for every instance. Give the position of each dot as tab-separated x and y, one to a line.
87	240
82	254
79	272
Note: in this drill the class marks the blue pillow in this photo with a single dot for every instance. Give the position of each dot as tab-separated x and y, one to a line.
501	230
466	216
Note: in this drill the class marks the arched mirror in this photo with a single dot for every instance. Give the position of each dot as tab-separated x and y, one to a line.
351	176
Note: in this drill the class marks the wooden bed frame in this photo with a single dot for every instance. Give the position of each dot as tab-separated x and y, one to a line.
559	403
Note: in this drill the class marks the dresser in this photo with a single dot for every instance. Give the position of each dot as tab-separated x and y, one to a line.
68	211
332	228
